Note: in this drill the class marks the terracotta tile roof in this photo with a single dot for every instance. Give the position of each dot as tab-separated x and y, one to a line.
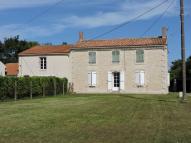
12	69
65	49
46	50
122	42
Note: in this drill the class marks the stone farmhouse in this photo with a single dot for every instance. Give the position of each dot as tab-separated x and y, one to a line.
138	65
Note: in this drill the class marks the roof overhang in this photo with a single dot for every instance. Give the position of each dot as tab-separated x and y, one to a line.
122	47
43	54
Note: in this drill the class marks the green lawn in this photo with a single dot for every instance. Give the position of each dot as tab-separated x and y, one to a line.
96	119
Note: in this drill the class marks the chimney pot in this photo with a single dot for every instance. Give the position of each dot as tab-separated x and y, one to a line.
81	38
164	32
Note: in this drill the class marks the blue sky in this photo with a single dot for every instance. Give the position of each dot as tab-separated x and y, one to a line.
62	22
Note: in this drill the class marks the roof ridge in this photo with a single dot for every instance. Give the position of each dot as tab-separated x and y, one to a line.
47	49
54	45
136	38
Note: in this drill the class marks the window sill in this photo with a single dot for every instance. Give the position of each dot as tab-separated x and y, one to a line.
140	86
115	62
43	69
92	64
92	86
140	63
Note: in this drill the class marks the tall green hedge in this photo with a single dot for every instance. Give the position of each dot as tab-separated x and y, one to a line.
23	86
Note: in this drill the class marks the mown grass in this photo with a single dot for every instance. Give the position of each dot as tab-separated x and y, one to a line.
96	119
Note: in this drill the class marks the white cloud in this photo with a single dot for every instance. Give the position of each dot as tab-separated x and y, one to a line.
29	31
127	11
10	4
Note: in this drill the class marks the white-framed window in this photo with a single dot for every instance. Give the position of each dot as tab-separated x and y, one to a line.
92	57
115	56
140	78
92	79
43	63
140	56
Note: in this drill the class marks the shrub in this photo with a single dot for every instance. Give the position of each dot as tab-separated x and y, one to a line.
7	86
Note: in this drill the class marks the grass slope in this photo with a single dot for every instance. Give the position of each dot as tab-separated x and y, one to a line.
96	119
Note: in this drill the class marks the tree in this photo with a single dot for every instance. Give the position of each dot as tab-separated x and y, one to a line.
176	69
188	65
10	48
64	43
176	73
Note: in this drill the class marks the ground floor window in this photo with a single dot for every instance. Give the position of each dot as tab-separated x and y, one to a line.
140	78
92	79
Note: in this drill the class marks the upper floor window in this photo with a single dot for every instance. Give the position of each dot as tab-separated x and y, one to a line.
140	56
43	63
92	57
115	56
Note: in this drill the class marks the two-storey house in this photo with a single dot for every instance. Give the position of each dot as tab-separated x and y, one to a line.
137	65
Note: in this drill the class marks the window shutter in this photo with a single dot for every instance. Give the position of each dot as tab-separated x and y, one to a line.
92	57
140	56
115	56
142	77
93	78
109	80
89	78
137	78
122	80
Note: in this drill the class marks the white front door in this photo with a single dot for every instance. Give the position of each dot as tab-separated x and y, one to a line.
116	81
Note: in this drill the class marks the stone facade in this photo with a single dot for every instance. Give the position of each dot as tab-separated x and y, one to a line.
155	67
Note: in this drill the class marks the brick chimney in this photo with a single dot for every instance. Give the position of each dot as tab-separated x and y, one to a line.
164	32
81	36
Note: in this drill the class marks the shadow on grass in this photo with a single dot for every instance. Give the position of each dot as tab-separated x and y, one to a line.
148	98
135	96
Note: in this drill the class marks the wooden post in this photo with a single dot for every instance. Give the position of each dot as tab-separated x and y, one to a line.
183	50
63	90
30	89
69	87
15	90
54	87
43	90
72	87
175	85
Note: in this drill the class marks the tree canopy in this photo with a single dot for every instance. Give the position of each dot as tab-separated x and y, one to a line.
10	47
176	69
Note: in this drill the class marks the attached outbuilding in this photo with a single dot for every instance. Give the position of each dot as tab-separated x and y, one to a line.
46	60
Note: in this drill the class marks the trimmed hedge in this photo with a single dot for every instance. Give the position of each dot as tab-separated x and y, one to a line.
23	86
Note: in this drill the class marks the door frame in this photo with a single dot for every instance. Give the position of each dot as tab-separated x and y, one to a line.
116	81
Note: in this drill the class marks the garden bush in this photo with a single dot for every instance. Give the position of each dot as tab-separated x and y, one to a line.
23	86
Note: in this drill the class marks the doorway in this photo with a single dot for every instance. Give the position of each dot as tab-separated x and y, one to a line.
116	81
